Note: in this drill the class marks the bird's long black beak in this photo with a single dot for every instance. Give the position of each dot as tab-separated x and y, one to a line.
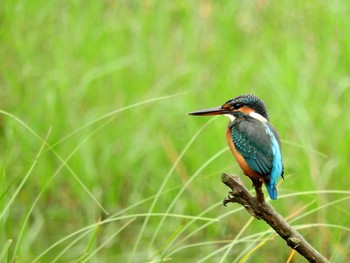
211	111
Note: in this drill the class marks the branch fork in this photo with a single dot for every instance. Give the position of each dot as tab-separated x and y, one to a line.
260	209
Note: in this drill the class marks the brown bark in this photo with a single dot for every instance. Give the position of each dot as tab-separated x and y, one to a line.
260	209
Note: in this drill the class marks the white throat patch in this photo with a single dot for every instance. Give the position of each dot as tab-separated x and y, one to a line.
231	117
253	114
257	116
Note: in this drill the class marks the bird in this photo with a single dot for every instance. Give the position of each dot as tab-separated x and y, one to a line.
254	142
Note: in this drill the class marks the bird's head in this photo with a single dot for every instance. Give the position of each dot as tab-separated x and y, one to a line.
247	104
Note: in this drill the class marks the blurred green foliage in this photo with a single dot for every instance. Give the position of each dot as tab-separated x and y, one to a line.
67	66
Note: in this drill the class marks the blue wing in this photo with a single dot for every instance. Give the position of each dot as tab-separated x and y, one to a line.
253	143
259	145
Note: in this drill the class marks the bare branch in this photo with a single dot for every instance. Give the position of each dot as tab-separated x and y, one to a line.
260	209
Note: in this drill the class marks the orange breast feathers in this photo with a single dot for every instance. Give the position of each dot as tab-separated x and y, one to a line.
240	159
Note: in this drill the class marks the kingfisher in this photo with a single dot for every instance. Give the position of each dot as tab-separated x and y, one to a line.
253	140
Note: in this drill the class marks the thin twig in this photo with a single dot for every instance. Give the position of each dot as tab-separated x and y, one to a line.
260	209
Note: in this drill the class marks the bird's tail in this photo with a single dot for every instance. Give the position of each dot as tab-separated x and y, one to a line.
271	189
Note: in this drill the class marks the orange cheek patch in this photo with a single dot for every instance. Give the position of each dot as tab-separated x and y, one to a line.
246	110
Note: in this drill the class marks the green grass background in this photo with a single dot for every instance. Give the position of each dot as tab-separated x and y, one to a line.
89	126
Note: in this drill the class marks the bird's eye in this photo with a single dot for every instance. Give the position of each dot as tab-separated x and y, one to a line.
237	105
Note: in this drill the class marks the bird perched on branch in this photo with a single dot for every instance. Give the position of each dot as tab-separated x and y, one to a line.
253	141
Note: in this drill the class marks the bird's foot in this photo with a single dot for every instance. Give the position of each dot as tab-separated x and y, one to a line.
257	184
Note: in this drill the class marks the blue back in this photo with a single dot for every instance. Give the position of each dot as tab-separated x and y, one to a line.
259	144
